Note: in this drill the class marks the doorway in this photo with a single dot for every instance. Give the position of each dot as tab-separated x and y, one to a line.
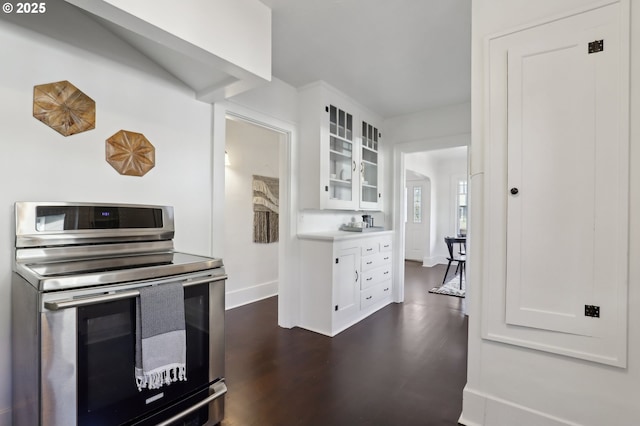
251	234
288	292
442	161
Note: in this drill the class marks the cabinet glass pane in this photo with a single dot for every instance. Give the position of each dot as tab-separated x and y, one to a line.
369	166
340	169
365	135
375	139
333	120
341	155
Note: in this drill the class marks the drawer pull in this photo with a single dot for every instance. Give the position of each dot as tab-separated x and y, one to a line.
368	298
386	258
370	249
386	272
386	289
370	262
386	246
369	279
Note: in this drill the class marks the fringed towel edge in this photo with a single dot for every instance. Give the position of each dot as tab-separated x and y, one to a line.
158	377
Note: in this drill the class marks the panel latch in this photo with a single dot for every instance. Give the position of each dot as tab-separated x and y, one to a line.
592	311
596	46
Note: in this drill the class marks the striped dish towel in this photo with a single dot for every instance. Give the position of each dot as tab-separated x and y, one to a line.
160	336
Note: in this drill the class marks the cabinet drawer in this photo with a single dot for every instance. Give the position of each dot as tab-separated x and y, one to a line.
368	297
385	244
370	247
375	261
375	294
384	290
375	276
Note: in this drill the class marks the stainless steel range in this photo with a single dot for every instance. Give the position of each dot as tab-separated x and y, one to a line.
78	270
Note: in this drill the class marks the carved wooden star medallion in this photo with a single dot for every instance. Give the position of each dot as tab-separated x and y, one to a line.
130	153
64	108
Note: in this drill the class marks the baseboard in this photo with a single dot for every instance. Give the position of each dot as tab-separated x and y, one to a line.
481	409
429	262
247	295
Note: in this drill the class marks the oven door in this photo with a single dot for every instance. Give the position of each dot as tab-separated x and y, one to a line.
90	352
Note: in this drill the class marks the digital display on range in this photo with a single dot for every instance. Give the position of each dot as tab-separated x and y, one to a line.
63	218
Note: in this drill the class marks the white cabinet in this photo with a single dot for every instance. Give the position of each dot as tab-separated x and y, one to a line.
376	269
370	138
346	287
344	279
339	152
342	159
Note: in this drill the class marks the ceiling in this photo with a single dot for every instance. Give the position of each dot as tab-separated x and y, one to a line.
394	57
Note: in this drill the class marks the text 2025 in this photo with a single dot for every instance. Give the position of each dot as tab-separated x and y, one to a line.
31	7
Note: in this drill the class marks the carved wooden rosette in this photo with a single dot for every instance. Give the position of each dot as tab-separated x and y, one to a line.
130	153
64	108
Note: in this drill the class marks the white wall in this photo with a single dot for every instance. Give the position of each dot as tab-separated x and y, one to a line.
252	268
37	163
433	123
510	385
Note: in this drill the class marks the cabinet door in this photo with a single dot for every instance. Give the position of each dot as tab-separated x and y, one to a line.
341	176
369	166
346	284
567	180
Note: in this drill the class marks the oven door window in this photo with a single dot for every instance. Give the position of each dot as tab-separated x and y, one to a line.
107	391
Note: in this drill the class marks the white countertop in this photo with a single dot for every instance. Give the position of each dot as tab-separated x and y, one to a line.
340	235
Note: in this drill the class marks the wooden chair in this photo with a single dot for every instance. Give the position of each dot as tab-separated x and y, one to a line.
456	256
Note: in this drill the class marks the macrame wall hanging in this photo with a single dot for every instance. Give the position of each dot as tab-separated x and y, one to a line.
265	209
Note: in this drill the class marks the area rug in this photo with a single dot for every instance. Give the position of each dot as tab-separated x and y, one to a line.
451	287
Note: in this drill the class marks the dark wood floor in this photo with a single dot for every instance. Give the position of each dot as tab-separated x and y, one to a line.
404	365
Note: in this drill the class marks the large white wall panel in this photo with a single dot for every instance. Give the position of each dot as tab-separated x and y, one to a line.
511	384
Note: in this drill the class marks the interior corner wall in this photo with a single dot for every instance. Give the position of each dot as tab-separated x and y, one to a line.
252	267
509	385
131	93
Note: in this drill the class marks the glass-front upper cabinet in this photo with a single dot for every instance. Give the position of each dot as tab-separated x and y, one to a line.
369	191
341	158
342	163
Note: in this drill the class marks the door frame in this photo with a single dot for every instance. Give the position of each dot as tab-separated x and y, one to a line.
399	203
288	292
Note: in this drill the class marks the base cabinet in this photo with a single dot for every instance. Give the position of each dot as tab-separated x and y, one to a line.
344	280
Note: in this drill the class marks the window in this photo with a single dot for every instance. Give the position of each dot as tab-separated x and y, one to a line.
417	204
461	208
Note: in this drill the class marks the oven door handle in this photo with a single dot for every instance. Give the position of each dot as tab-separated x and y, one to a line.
220	389
119	295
